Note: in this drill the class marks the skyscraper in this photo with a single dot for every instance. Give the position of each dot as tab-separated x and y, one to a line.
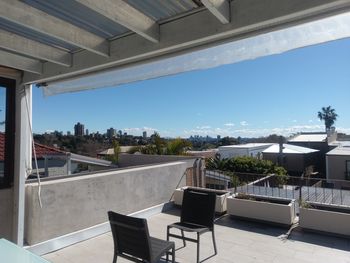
144	134
79	129
111	133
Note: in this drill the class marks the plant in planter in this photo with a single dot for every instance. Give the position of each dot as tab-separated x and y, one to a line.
329	218
221	196
262	208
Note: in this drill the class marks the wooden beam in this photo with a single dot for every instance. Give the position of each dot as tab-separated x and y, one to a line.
219	8
19	62
25	46
126	15
26	16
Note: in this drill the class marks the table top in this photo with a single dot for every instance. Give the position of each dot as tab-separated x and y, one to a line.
11	253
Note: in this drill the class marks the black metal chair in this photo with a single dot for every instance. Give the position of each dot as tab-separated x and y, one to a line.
132	240
197	215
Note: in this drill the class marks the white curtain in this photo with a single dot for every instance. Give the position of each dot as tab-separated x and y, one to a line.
277	42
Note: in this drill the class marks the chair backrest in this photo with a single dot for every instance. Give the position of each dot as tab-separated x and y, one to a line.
130	235
198	208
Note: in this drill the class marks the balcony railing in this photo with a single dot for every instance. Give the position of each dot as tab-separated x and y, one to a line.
300	188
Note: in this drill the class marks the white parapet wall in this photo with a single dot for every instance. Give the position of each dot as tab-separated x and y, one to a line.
80	202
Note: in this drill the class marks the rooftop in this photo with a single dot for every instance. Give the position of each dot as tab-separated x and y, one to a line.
237	241
312	137
246	145
341	150
288	148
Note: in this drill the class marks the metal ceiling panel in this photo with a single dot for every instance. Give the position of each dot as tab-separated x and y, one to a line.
162	9
79	15
35	35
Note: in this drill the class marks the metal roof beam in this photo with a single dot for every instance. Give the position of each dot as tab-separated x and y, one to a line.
19	62
25	46
249	18
219	8
126	15
27	16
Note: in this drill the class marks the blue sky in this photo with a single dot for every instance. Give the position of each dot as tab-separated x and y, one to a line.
277	94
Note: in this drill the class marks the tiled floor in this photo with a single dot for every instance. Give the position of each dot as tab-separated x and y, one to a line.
237	241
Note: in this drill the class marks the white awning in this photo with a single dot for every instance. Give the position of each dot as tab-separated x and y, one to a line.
317	32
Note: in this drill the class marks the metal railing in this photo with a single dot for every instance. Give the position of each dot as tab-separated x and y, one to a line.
317	190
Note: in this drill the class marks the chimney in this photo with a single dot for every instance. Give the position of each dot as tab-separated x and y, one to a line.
280	154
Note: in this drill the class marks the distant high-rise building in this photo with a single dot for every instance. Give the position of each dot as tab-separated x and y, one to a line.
69	133
111	133
87	132
120	133
218	137
144	134
79	129
125	134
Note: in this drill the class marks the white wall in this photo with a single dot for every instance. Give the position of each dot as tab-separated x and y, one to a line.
79	202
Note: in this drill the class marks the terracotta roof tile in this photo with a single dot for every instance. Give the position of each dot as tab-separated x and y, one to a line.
40	149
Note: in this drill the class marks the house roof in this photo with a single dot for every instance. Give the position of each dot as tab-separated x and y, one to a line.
245	146
312	137
289	149
40	149
341	150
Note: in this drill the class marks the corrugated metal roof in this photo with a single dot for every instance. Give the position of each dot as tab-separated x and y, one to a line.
288	148
79	15
317	137
340	151
160	9
35	35
245	146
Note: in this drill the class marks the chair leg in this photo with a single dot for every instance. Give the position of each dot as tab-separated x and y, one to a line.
183	237
173	256
167	238
198	242
214	242
115	258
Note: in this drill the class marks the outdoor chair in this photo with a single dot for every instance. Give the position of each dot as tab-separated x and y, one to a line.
133	242
197	216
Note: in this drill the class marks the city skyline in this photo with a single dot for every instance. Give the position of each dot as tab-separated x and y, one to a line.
279	94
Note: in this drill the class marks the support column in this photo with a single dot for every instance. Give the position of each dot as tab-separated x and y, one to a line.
23	157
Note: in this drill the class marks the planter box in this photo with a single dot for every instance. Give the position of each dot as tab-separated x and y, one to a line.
273	210
221	196
326	218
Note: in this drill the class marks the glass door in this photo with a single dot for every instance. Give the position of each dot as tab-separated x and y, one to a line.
7	131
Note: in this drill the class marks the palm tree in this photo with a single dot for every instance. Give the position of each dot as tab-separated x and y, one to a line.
327	115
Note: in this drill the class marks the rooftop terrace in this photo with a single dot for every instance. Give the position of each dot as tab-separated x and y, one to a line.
237	240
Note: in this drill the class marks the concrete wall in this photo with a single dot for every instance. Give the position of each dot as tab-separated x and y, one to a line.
336	166
75	203
126	160
6	213
292	162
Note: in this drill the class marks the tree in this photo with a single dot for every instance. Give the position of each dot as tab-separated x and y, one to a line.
327	115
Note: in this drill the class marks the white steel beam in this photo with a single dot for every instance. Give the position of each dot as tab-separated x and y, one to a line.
25	46
219	8
197	31
19	62
27	16
126	15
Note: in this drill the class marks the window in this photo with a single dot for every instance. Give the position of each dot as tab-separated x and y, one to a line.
7	131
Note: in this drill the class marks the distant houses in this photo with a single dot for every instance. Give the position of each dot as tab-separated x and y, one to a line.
248	149
297	160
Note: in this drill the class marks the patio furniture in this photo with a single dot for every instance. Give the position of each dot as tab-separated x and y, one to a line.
10	252
133	242
197	216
